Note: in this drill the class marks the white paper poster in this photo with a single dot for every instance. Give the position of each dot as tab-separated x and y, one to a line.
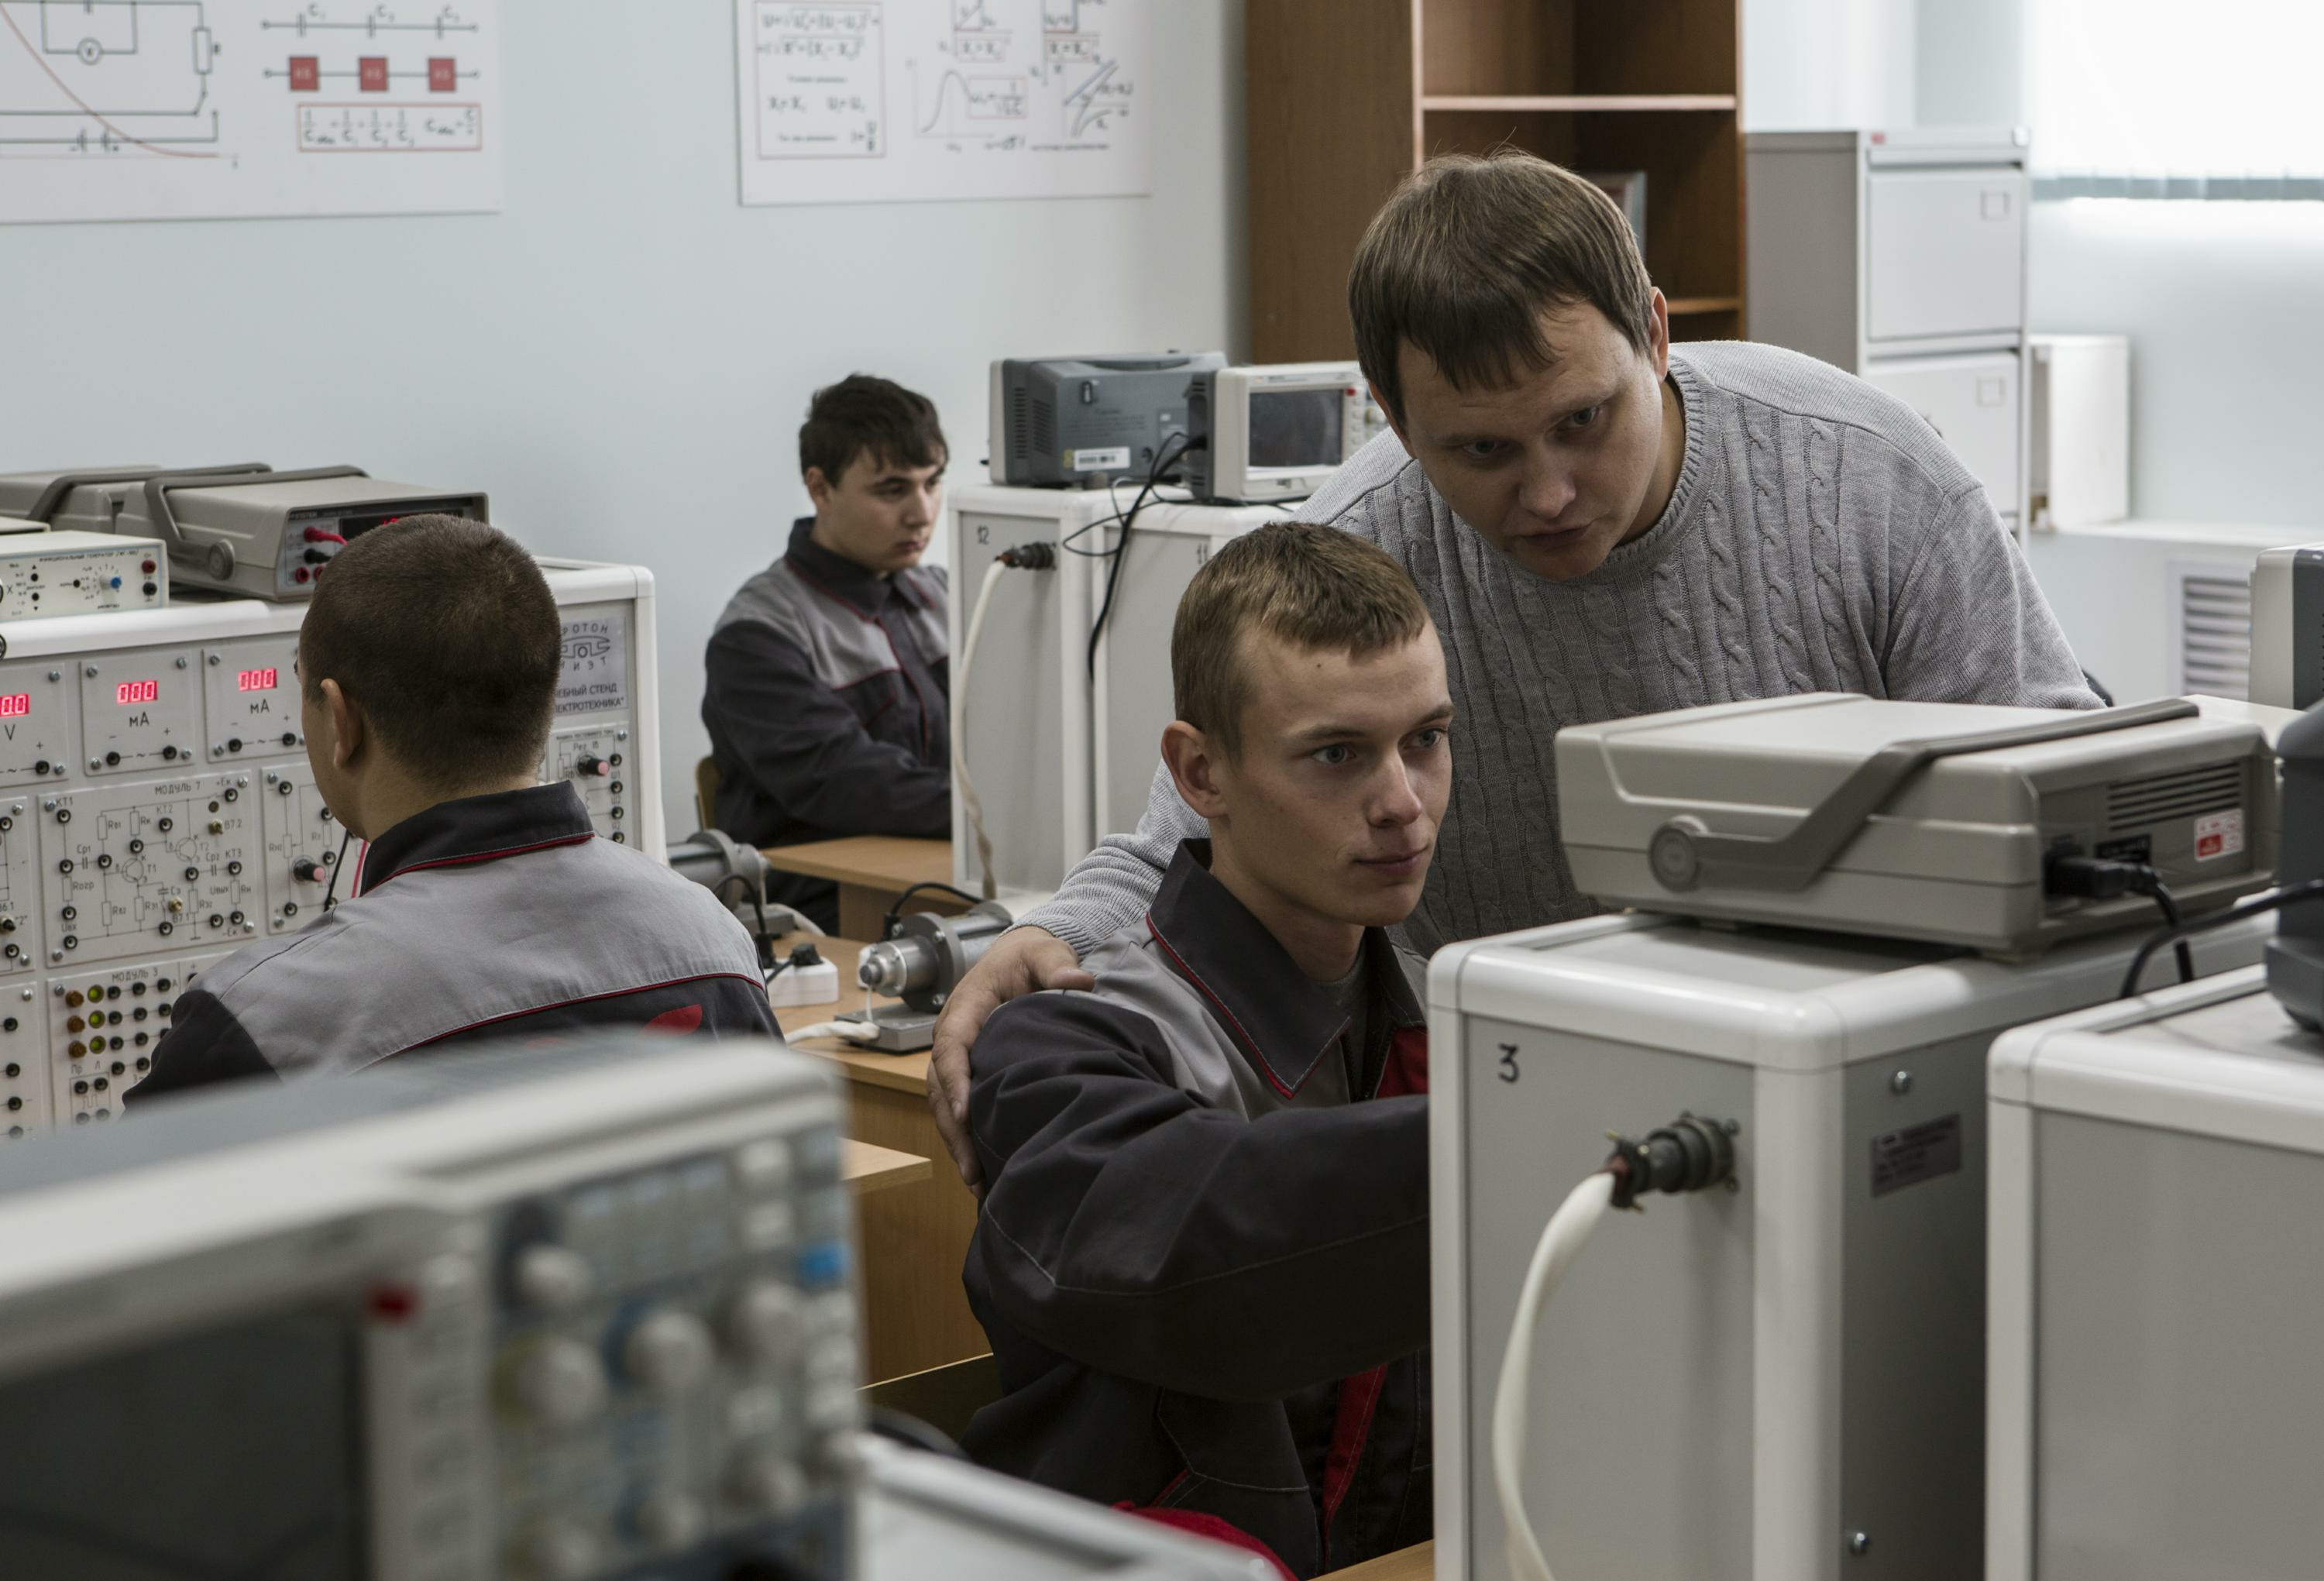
884	101
227	109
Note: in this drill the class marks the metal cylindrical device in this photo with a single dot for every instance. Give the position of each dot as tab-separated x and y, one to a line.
713	859
926	955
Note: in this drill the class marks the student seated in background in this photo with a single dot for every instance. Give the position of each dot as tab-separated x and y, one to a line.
1202	1260
487	907
829	686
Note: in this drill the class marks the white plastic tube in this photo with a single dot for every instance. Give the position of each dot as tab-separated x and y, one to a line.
1561	1240
960	774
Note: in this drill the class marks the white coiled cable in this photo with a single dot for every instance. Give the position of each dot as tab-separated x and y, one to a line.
1562	1240
960	773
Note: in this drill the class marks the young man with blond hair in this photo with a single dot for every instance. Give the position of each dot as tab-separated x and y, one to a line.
1204	1259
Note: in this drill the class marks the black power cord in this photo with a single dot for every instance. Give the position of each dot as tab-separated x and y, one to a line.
2109	878
2298	894
1163	462
888	922
331	889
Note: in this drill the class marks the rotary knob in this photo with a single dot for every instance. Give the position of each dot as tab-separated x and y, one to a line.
768	1483
671	1520
669	1353
550	1278
559	1383
592	767
766	1322
560	1551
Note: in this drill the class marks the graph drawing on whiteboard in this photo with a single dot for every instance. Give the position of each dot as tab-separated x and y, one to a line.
895	100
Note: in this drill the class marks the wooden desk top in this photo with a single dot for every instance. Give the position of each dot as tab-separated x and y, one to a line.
1417	1563
903	1072
876	862
868	1169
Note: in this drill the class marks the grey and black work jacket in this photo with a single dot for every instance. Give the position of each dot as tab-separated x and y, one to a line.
487	917
827	698
1200	1218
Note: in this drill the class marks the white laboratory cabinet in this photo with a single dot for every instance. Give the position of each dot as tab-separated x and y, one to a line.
2157	609
1900	256
2155	1266
1063	744
1782	1381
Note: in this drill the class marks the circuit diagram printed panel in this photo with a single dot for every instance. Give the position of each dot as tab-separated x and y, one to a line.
139	711
866	101
37	708
102	1029
135	868
595	759
302	846
182	109
250	694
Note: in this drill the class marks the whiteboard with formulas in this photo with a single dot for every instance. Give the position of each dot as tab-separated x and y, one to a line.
224	109
871	101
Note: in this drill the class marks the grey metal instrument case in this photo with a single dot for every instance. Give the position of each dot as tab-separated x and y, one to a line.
1923	821
243	529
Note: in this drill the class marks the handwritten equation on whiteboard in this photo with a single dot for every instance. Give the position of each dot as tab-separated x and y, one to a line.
391	129
898	100
819	74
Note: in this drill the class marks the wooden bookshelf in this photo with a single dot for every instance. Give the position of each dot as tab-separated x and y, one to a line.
1347	97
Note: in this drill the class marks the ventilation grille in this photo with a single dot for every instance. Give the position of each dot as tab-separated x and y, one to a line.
1045	432
2211	639
2190	793
1020	439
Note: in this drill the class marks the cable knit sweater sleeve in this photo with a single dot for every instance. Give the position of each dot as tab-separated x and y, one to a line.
1820	537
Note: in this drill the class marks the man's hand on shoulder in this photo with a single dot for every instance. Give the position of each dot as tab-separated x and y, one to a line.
1023	960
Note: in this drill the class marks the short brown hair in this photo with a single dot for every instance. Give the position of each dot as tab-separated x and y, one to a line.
864	415
1313	587
444	633
1467	255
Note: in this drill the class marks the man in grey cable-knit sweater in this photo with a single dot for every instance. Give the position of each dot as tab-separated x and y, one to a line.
1601	527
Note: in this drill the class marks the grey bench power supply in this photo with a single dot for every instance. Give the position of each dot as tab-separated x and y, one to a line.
1938	822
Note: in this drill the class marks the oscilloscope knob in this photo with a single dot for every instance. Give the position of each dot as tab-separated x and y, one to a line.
669	1352
559	1383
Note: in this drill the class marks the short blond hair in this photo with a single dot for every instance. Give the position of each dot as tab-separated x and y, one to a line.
1316	588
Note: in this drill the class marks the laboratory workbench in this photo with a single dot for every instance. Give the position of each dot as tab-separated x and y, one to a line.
915	1236
1417	1563
872	871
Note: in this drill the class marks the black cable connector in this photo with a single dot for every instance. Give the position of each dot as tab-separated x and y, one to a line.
1032	556
1691	1153
2110	878
2089	878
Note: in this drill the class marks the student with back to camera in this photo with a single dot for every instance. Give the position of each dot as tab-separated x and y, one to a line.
1204	1259
487	907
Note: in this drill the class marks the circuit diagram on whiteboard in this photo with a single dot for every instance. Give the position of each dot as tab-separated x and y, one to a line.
106	77
942	97
133	109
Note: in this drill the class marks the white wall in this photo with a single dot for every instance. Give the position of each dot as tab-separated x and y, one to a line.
2223	302
1817	65
622	357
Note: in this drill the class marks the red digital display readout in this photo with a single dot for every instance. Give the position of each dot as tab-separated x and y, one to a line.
16	705
260	680
133	692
